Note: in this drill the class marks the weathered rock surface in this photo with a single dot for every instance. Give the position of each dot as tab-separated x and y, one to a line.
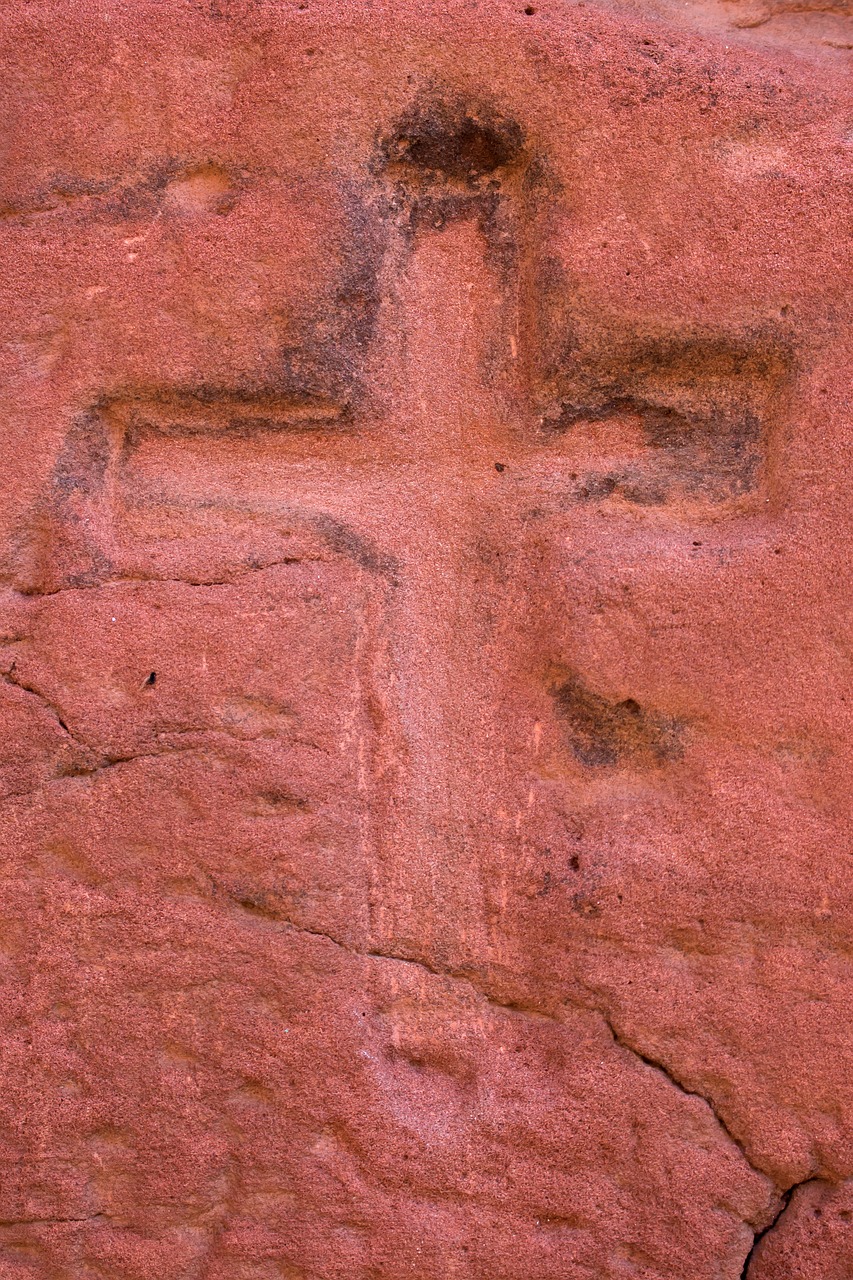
426	650
811	1238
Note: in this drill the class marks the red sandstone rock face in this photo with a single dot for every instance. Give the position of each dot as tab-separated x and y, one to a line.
426	646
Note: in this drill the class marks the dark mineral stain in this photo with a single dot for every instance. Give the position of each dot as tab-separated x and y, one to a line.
57	544
668	428
276	803
333	339
347	542
451	158
444	140
705	401
258	903
601	733
85	457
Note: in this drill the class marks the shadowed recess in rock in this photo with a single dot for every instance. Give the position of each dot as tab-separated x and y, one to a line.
693	411
213	410
444	141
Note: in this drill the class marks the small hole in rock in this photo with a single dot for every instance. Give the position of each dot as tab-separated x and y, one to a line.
500	466
530	11
152	679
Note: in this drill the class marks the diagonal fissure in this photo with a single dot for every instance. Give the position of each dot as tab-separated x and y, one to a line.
12	678
657	1065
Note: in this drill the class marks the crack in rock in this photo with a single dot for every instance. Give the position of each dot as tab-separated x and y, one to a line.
657	1065
38	594
455	975
784	1194
759	1235
12	678
237	576
526	1011
51	1222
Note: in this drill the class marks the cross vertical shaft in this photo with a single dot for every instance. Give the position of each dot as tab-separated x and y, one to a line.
447	322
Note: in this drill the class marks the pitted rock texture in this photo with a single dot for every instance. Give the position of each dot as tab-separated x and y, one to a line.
425	647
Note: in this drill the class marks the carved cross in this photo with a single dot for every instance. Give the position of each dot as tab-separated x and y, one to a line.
496	419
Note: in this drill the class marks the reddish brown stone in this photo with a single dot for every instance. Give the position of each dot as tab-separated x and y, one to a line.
812	1239
426	700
